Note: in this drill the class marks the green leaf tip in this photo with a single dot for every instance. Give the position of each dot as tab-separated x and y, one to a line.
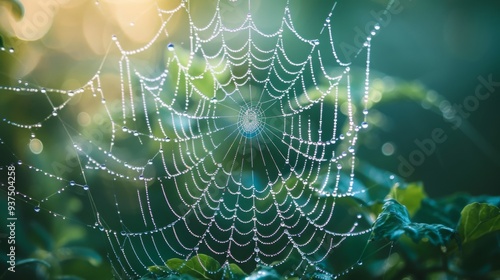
478	219
16	6
394	221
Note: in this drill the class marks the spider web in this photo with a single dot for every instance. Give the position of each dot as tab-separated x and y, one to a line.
239	143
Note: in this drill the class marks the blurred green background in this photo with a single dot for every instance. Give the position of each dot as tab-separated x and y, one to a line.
446	46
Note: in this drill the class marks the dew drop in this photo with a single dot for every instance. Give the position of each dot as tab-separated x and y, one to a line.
339	166
37	209
359	216
11	50
364	125
86	187
19	162
71	183
351	149
170	47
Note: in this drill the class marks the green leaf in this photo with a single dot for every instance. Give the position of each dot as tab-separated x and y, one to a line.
477	220
174	264
31	261
16	6
235	272
202	267
394	221
410	196
159	270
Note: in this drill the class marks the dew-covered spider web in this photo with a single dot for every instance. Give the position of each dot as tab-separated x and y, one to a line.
231	134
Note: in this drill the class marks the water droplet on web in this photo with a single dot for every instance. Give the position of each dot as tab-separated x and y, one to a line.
351	149
19	162
360	263
114	38
364	125
377	26
339	166
71	183
170	47
11	50
359	216
341	136
37	209
86	187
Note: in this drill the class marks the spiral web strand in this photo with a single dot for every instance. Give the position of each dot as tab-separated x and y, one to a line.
237	147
